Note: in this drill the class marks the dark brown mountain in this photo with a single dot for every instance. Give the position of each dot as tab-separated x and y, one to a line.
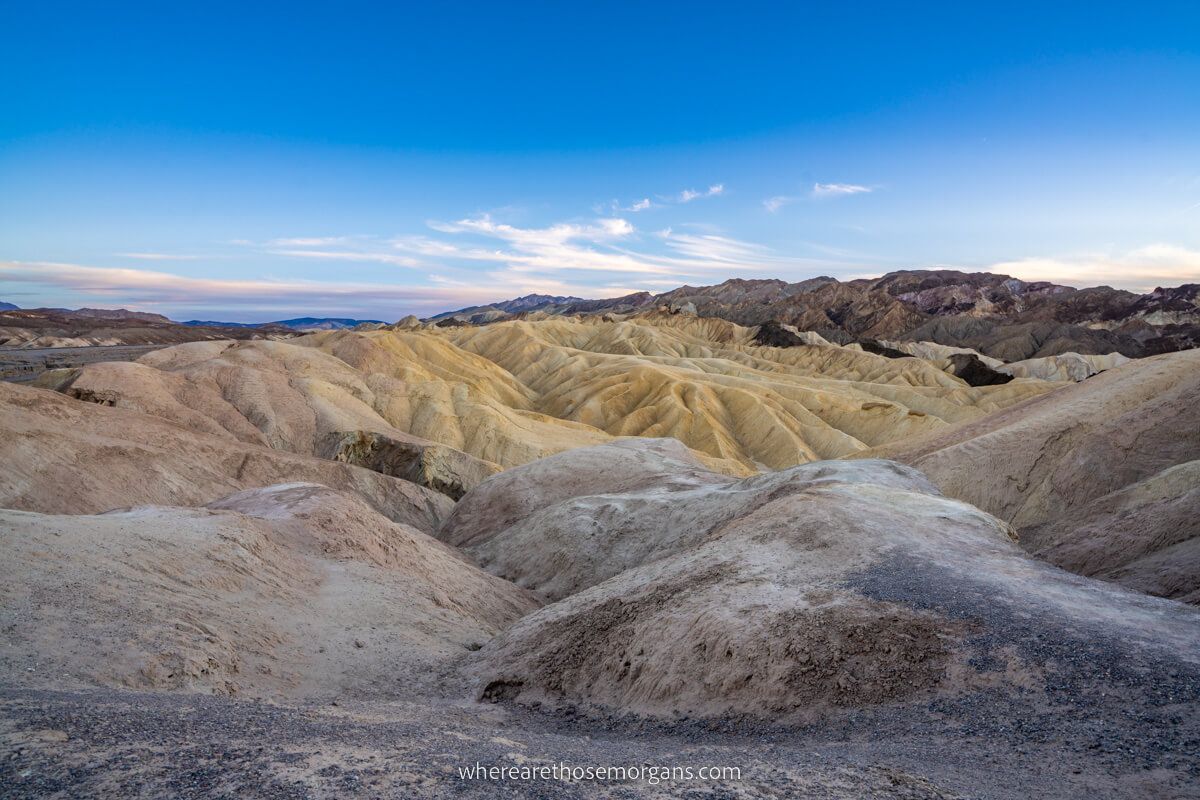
621	305
518	305
999	315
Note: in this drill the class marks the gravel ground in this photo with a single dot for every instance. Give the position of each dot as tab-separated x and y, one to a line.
112	743
1106	718
1089	715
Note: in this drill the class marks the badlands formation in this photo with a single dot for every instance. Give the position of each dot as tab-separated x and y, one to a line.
354	561
230	596
1101	478
841	584
513	392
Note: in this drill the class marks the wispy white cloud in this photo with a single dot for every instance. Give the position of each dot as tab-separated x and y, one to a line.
555	234
360	249
350	255
607	245
261	299
773	204
614	207
644	204
159	256
1139	270
152	288
838	189
718	251
819	190
563	246
309	241
688	195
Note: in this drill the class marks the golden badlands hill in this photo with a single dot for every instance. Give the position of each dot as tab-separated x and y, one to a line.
61	456
512	392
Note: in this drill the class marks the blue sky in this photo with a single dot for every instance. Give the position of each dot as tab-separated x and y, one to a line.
373	160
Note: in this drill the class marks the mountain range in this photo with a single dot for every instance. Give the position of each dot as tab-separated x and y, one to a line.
83	327
299	323
997	315
89	327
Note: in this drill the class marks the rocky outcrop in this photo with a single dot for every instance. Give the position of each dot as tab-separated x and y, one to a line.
1065	367
947	292
1021	341
504	308
822	305
932	351
974	371
443	469
626	304
772	334
880	349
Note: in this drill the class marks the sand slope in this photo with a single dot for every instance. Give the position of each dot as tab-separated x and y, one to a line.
1097	477
289	590
831	585
63	456
274	395
1064	367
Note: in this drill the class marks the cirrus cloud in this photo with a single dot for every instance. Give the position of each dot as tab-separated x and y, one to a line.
839	189
688	195
262	299
773	204
158	256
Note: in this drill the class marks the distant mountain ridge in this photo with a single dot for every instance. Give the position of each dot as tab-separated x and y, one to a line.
8	306
299	323
86	327
530	302
998	315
